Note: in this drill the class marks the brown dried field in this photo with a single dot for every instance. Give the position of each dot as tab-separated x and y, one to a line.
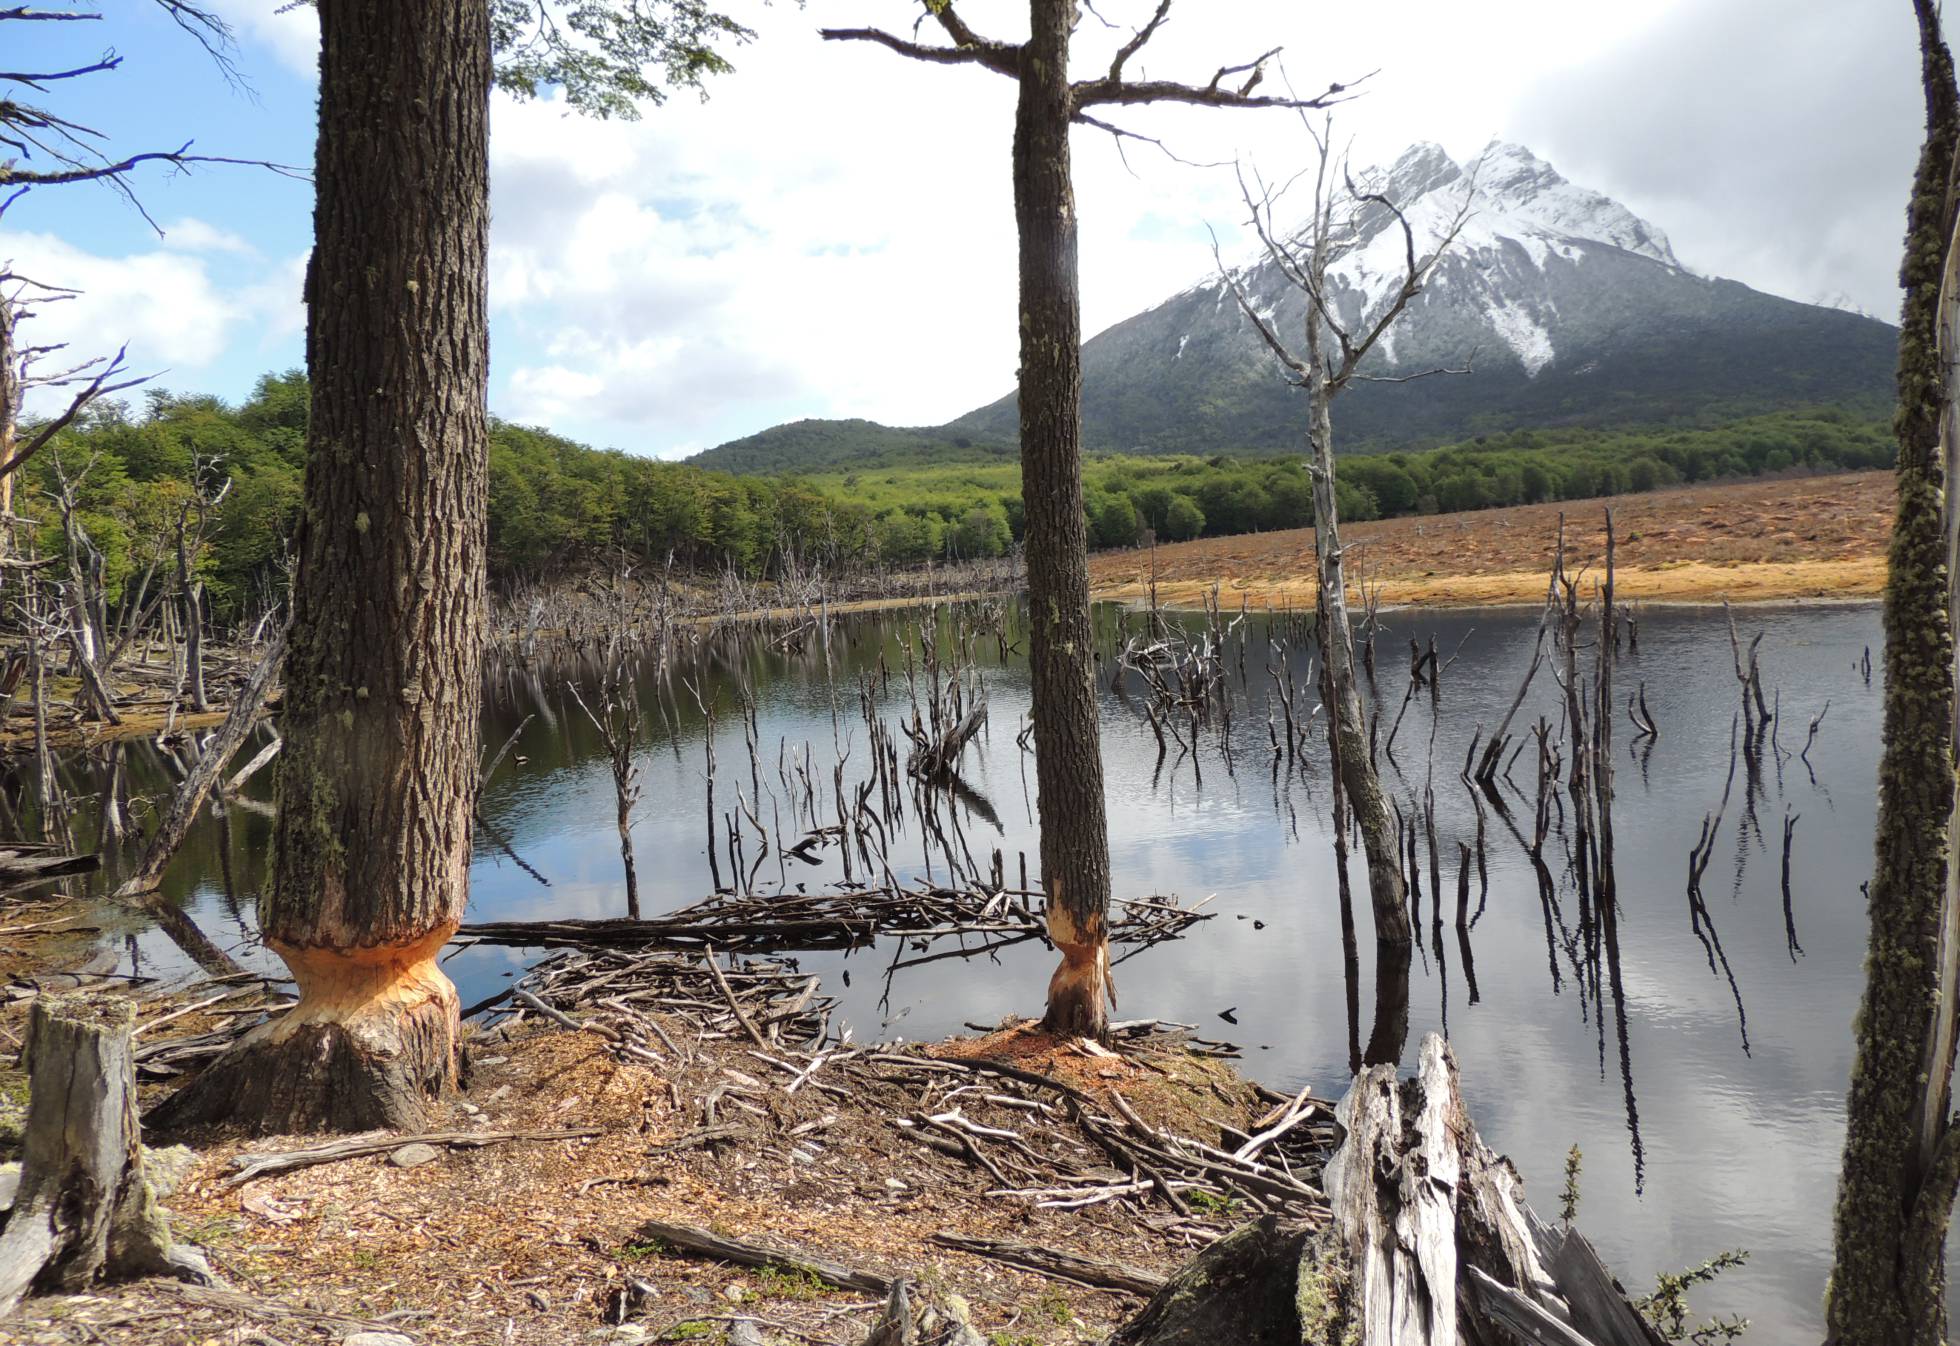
1801	538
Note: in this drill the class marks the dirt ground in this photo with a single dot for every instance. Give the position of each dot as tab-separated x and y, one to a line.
1802	538
530	1242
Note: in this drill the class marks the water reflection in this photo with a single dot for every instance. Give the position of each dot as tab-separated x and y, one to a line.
1678	1030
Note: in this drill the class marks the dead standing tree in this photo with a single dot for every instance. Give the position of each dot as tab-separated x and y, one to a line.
617	722
1061	644
1344	217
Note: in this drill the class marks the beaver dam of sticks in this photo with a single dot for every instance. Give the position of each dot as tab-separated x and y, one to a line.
733	867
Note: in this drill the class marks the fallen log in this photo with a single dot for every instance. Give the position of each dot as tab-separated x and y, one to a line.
85	1210
23	866
253	1166
1054	1262
687	1238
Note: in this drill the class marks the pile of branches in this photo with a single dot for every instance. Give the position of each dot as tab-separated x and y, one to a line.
834	918
622	996
1030	1137
1043	1141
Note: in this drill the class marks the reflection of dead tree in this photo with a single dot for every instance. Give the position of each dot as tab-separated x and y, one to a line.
1344	216
617	722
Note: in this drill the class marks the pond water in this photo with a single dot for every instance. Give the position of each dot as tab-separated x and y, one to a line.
1706	1097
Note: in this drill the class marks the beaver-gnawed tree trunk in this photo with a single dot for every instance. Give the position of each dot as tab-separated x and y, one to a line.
1061	649
377	779
1061	646
1901	1153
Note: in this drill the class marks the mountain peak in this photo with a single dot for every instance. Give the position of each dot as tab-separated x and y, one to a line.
1420	169
1515	183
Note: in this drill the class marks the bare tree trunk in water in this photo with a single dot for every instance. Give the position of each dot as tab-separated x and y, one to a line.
1061	645
378	775
1901	1150
1363	785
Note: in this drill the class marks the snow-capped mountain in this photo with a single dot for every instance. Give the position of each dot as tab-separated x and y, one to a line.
1568	306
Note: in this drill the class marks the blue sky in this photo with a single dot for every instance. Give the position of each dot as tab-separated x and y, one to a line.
831	234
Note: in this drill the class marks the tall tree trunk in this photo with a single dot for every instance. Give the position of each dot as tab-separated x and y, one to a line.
1901	1154
1061	645
376	782
1357	766
10	400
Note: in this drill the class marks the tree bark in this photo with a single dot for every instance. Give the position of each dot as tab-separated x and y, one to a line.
1357	766
1061	645
378	777
1901	1160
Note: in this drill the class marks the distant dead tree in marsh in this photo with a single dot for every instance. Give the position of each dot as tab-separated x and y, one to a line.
617	722
1325	362
1061	642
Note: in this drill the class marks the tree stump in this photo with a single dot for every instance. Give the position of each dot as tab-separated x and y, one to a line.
1243	1289
86	1210
1430	1243
915	1316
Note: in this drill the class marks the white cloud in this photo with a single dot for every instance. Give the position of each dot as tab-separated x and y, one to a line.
291	32
832	234
194	235
164	305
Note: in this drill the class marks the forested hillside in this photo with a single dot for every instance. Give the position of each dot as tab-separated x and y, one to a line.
556	505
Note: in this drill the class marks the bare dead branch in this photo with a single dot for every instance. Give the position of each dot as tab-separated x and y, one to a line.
36	79
1299	371
1143	35
1121	134
1465	368
998	61
98	387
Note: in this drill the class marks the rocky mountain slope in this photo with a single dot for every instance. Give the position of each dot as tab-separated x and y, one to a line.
1569	309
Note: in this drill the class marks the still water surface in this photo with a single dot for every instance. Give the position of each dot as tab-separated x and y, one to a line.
1711	1120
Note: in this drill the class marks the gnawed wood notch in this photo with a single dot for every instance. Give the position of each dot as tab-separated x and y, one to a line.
1431	1244
86	1210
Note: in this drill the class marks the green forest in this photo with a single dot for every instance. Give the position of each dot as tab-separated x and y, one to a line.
557	506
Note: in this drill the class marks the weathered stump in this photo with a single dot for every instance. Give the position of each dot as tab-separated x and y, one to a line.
1430	1244
85	1210
915	1316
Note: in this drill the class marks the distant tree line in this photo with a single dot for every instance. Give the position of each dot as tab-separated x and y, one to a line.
556	506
